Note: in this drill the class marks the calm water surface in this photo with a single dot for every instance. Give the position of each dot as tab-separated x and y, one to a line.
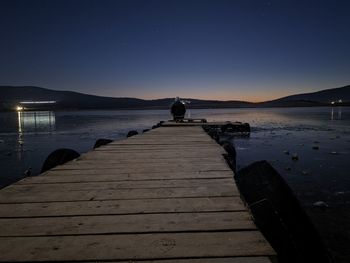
27	138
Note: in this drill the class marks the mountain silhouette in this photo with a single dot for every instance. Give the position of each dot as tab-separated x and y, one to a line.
12	95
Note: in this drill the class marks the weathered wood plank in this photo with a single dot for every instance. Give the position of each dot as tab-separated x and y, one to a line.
129	154
209	260
145	159
12	196
90	186
193	125
145	168
137	223
76	176
163	145
170	137
165	148
144	152
146	163
118	207
170	144
150	144
155	174
130	247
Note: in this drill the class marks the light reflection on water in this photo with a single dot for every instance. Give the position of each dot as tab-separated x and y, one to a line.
28	137
34	121
338	116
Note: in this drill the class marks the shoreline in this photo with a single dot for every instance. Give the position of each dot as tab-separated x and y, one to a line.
189	108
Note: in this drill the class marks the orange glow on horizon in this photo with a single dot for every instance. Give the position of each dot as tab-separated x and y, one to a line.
244	93
255	98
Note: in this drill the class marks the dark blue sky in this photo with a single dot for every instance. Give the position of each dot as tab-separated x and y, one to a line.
250	50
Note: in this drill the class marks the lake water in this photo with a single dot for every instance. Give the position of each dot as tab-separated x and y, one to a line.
27	138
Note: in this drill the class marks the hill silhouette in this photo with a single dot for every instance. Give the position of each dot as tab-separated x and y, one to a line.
12	95
319	97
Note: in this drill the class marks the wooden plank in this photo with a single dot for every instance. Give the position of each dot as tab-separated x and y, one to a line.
152	162
151	149
146	168
174	125
176	162
170	144
176	144
160	148
90	186
145	176
170	134
130	247
170	137
11	196
157	141
115	157
146	159
129	154
118	207
209	260
181	125
116	224
164	144
63	177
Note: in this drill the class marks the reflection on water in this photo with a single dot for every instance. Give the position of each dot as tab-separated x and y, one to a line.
338	117
33	121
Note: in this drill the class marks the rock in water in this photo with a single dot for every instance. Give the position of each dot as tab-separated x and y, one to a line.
321	204
131	133
295	157
101	142
28	172
58	157
304	172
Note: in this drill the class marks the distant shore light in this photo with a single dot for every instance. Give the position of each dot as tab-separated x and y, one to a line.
19	108
38	102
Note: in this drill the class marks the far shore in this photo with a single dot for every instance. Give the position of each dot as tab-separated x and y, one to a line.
188	107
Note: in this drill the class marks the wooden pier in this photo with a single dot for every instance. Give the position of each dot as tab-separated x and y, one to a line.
164	196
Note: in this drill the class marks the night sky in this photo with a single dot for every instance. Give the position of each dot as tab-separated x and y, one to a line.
246	50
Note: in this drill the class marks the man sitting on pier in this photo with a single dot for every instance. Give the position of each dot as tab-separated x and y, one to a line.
178	110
